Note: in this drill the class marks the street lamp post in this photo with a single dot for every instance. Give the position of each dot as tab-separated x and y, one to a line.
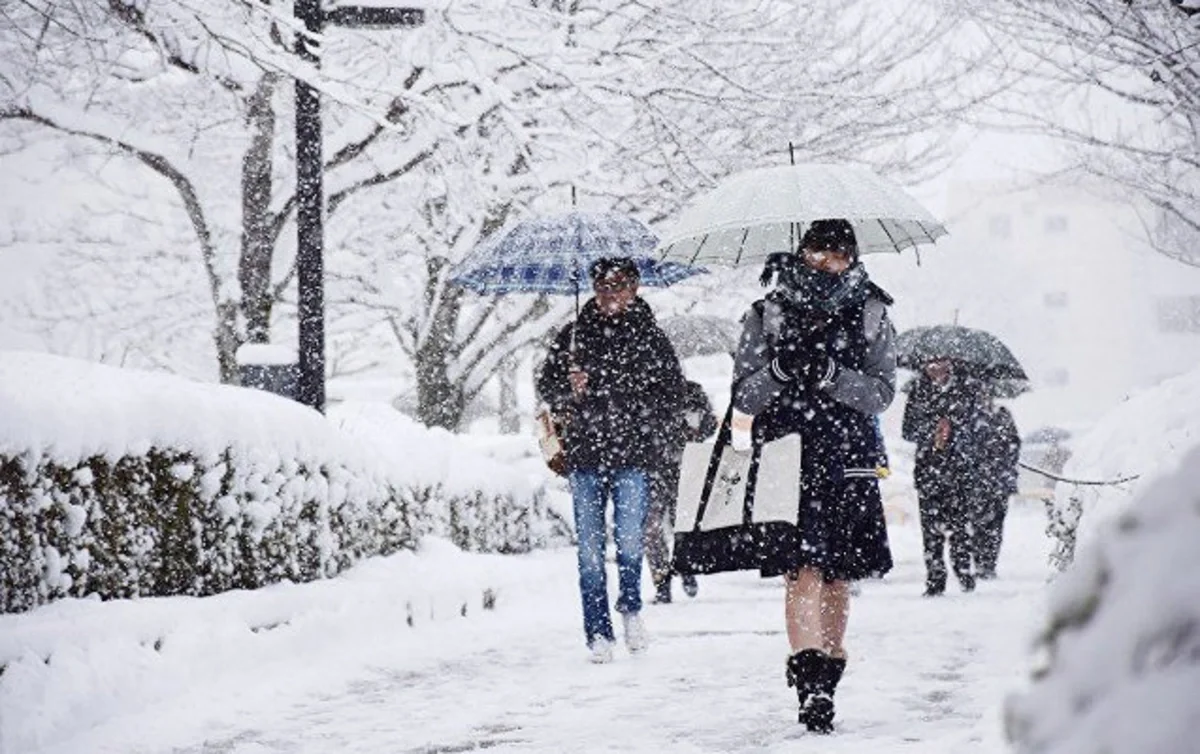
310	182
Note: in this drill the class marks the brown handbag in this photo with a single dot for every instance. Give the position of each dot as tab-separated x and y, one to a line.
550	441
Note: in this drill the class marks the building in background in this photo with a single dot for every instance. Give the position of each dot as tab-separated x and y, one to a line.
1068	280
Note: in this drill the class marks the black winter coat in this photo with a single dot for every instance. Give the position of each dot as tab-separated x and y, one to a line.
1000	448
955	468
695	422
630	412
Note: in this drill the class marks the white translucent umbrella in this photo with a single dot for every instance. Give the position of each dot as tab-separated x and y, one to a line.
755	213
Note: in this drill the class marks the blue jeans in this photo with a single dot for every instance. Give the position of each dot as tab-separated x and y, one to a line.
590	490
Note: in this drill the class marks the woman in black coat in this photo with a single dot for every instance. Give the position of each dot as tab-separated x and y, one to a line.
816	357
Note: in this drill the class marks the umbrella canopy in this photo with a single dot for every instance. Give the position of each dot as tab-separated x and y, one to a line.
758	212
1003	389
697	335
979	350
553	255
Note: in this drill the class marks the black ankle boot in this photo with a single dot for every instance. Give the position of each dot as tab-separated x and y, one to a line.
815	675
818	716
800	675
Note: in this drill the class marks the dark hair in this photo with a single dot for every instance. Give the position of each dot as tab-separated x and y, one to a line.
609	266
831	235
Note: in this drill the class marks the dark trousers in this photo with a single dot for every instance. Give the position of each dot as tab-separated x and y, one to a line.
989	532
946	515
660	522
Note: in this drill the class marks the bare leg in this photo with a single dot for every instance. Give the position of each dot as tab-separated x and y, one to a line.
835	614
802	609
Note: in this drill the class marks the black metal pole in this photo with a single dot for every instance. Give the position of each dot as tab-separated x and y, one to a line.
310	185
310	208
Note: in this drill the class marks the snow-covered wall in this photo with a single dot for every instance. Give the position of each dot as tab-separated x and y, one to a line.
1120	648
119	483
1142	437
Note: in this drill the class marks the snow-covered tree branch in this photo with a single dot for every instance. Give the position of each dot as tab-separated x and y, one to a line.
1118	82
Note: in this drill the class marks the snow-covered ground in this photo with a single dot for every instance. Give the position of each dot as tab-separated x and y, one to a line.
334	666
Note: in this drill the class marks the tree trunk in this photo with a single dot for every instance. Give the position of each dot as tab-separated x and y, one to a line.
227	340
254	264
440	400
510	414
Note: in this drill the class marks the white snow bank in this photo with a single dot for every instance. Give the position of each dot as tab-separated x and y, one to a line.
71	410
1122	640
1144	436
432	456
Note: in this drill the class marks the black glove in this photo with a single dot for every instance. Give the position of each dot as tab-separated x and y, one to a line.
812	368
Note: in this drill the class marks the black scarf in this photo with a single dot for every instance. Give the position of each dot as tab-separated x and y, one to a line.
815	289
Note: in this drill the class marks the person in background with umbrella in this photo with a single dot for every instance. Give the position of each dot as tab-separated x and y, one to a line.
816	357
614	378
996	480
942	418
695	422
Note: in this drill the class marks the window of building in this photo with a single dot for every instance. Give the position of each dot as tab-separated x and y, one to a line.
1056	300
1055	224
1000	226
1178	314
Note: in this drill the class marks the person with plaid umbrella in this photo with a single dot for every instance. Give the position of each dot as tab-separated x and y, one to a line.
613	377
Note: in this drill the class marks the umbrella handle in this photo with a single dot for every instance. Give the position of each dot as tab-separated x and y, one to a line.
575	278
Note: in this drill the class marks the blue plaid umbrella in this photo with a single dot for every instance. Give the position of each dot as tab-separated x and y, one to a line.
553	255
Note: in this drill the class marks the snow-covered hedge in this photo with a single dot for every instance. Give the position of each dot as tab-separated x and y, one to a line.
119	483
1144	436
1120	649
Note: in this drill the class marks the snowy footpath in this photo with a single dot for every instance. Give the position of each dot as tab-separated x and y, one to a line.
335	667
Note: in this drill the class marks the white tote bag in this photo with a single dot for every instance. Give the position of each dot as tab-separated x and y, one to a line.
776	493
718	526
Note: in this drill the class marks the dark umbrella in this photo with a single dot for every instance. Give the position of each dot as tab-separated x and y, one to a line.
998	388
978	350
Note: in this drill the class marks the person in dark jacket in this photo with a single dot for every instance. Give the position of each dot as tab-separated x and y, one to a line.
613	377
1000	450
942	418
694	422
816	357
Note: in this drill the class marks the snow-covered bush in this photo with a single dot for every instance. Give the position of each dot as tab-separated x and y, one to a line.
1121	646
1142	437
123	483
459	483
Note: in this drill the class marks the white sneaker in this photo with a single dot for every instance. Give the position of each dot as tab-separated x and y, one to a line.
601	651
636	638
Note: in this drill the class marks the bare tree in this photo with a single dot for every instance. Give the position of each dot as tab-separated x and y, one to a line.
1118	83
191	116
439	138
712	87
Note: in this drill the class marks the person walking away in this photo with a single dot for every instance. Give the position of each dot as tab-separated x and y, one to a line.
816	357
941	418
694	422
614	377
1000	447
